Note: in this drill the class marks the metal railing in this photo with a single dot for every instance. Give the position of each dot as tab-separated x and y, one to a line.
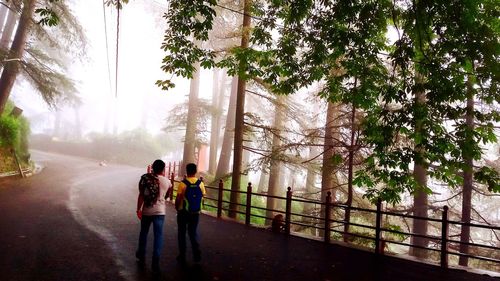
325	219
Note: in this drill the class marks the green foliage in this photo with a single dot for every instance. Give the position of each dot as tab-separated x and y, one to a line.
439	43
445	53
14	132
116	3
55	43
47	16
9	130
188	24
177	119
490	177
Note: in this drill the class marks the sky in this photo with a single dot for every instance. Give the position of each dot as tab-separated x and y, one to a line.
140	37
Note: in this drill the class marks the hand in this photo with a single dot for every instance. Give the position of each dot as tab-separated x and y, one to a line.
139	214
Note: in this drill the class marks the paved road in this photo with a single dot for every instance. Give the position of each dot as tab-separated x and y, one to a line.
76	221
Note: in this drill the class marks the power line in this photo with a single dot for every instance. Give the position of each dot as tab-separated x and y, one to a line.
238	12
107	47
117	45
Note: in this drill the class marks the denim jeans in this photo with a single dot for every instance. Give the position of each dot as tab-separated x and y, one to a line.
188	221
158	234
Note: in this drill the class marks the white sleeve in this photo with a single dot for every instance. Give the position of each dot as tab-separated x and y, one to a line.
164	182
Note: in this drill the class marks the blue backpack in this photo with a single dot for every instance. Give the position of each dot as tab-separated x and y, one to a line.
192	196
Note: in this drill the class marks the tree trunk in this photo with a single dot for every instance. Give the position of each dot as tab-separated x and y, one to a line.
350	172
310	187
263	180
468	177
3	14
227	140
328	176
8	29
11	69
273	187
192	118
215	122
240	115
420	197
331	135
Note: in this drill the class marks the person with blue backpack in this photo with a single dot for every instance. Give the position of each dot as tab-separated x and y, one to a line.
188	205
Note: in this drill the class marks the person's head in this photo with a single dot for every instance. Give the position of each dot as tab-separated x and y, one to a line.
158	167
191	169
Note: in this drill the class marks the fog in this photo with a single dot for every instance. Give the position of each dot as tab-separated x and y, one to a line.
137	102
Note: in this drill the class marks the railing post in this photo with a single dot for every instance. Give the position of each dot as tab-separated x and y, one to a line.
444	238
172	181
219	199
378	221
249	204
328	205
169	168
20	169
174	168
288	210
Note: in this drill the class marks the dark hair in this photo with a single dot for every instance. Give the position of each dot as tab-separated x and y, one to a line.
191	169
158	166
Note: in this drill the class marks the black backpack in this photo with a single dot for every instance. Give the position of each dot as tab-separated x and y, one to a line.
149	187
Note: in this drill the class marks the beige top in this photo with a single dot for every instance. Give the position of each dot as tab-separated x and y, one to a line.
159	208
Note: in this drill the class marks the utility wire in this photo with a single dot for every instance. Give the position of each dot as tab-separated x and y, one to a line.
117	45
238	12
107	47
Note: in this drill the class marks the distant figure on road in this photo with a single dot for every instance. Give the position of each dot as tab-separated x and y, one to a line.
188	205
151	208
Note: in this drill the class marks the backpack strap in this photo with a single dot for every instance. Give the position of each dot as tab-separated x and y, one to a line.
186	182
198	182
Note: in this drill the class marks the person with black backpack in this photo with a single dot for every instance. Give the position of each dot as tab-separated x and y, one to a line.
151	208
188	205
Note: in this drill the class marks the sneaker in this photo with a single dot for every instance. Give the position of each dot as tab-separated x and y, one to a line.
140	259
155	265
181	259
197	256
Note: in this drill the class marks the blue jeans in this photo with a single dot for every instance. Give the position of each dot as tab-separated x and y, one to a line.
158	235
188	221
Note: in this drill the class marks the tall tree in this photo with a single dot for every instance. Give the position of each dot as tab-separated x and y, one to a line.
3	14
240	111
217	96
468	175
350	172
329	181
11	69
420	197
8	27
44	60
227	139
275	172
192	117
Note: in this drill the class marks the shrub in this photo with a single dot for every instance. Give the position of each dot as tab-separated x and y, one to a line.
14	133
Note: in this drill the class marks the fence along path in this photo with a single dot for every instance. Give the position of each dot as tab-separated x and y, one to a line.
442	245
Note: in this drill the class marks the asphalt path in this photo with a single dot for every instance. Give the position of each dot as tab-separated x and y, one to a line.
76	221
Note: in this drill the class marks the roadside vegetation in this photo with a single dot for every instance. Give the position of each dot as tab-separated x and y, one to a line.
14	132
